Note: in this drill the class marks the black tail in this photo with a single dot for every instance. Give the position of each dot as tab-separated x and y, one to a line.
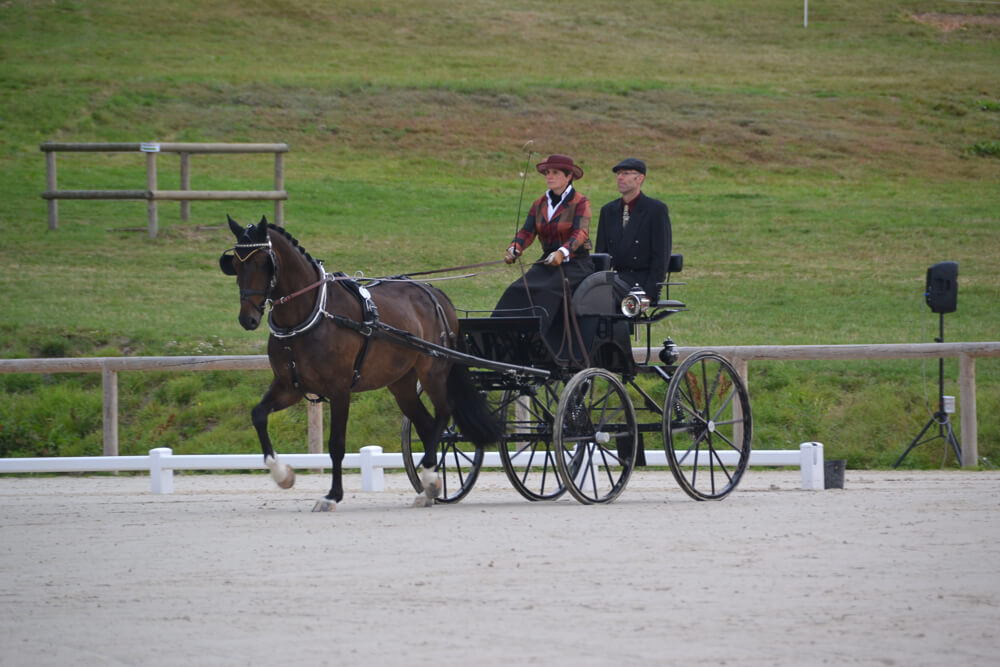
470	410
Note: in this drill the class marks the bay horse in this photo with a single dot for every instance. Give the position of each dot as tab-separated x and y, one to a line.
323	342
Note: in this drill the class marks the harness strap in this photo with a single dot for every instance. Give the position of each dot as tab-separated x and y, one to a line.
447	335
295	377
369	315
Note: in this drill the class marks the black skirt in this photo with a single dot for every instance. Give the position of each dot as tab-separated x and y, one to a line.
545	284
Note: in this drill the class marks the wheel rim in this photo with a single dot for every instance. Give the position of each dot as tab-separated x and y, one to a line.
526	452
596	436
707	426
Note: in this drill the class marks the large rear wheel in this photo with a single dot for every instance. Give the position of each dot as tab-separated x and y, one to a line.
707	426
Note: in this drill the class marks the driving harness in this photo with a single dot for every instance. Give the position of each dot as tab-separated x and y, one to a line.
370	326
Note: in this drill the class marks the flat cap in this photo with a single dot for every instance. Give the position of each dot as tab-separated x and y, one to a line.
630	163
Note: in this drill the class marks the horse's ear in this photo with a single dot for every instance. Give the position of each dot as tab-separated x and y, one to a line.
226	264
263	221
259	232
235	227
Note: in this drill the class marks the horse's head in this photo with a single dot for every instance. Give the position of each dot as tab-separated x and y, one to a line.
252	261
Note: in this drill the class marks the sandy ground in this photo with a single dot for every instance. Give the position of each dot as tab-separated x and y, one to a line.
898	568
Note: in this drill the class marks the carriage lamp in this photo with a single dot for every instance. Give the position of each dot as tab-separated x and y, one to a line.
668	353
635	302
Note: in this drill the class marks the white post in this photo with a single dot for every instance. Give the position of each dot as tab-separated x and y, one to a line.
805	15
372	477
161	475
813	478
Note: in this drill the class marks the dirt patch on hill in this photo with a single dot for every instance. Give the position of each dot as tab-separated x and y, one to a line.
952	22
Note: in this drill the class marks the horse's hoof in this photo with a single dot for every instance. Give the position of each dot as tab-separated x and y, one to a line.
432	483
325	505
283	475
423	501
289	480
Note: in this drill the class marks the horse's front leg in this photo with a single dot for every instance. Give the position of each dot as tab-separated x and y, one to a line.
340	407
277	398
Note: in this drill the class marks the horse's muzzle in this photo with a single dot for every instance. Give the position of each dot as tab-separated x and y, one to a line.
249	320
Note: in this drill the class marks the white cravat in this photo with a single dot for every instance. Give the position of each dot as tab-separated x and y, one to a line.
552	209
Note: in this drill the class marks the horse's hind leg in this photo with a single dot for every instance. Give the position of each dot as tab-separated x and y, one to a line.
277	398
428	430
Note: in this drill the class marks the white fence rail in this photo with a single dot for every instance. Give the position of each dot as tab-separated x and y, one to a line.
372	462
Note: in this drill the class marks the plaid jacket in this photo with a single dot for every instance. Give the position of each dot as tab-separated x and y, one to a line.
569	227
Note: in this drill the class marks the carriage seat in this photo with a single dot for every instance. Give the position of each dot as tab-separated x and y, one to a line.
602	261
595	295
675	265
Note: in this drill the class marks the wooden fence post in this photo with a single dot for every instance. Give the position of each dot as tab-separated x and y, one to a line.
740	364
314	411
967	397
279	184
153	220
185	185
50	185
109	386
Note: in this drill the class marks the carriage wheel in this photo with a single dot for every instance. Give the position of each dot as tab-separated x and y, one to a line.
526	451
707	426
458	461
596	436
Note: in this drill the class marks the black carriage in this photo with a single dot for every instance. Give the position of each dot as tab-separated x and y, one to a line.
577	415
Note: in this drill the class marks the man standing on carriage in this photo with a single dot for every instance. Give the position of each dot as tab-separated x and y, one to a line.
560	219
635	230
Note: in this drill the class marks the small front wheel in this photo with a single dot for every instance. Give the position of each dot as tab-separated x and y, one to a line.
526	452
458	461
595	436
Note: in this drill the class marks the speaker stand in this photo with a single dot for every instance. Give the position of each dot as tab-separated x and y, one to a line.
941	418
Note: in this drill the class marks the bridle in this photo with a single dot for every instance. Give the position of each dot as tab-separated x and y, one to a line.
245	294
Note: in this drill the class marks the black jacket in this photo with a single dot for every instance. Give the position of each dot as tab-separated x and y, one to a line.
641	251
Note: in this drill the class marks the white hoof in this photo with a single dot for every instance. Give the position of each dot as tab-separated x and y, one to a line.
423	501
283	475
325	505
432	483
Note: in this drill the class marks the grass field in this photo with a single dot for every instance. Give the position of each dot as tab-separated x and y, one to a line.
812	173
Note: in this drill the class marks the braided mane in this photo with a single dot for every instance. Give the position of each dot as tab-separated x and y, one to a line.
291	239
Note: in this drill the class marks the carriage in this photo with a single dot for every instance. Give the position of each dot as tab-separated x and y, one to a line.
572	414
577	418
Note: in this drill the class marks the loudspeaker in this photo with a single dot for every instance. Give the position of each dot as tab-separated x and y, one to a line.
942	287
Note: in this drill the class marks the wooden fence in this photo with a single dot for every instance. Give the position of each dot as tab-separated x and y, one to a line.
152	194
109	367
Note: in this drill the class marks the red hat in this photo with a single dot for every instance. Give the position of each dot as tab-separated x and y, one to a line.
563	162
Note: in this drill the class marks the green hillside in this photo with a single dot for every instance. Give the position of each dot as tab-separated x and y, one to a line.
812	173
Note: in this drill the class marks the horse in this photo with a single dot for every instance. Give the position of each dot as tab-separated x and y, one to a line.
325	343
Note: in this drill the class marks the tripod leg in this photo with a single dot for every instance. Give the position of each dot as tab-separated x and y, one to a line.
954	444
916	441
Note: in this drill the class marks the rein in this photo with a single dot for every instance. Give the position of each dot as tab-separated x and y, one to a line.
330	278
